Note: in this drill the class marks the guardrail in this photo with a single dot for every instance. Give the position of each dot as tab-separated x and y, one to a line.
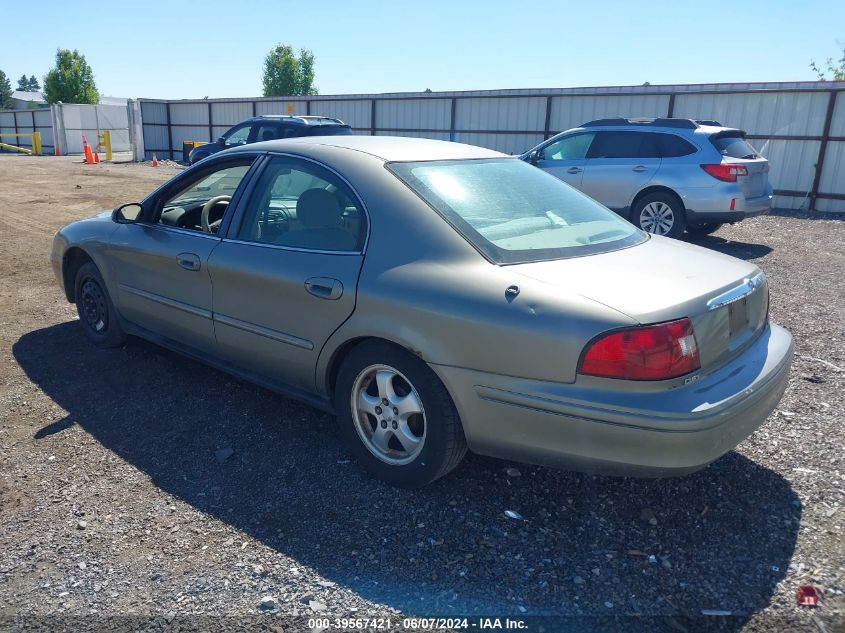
35	150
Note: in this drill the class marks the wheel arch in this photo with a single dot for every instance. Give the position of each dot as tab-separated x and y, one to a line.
329	376
72	260
654	189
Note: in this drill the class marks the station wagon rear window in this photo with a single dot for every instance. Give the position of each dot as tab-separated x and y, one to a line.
515	213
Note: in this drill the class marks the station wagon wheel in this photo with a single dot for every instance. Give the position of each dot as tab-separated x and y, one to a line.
396	415
388	414
96	311
660	214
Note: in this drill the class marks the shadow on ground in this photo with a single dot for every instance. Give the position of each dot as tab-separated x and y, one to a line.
723	537
742	250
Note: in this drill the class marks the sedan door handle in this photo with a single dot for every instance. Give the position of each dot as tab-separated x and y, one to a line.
574	170
188	261
324	287
640	168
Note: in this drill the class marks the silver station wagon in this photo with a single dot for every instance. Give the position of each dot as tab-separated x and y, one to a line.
438	297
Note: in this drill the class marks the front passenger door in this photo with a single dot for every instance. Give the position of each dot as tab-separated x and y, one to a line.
286	274
161	261
565	158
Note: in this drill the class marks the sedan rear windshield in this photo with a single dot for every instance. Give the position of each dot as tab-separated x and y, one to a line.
733	145
513	212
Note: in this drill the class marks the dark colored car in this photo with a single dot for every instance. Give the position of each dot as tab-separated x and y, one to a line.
269	128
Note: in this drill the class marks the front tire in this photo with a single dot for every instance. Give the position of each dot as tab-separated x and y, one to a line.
660	213
396	416
96	311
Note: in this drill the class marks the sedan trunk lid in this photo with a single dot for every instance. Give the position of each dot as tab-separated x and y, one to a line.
664	279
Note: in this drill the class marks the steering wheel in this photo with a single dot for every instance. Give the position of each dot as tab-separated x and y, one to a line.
206	210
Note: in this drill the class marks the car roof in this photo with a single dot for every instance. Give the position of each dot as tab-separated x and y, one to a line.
387	148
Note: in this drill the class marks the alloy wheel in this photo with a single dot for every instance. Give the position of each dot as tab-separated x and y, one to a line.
388	414
657	217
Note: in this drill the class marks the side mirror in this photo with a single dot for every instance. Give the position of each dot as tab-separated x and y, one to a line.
127	213
535	157
221	141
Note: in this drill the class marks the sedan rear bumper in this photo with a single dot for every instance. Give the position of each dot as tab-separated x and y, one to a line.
632	433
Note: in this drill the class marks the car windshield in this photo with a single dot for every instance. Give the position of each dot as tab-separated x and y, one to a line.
514	213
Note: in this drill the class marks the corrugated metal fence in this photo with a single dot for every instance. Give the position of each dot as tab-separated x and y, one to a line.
73	121
27	121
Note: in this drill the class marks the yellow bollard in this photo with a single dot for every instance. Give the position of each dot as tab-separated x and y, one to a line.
36	143
104	141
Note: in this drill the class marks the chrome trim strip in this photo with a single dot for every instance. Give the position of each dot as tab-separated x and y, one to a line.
172	303
291	248
274	335
744	289
176	229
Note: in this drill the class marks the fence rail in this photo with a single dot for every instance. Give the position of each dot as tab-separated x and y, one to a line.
799	126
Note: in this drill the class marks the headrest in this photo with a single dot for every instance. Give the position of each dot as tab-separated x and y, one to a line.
317	208
267	135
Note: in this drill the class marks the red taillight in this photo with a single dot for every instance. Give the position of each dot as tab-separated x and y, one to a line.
652	352
726	172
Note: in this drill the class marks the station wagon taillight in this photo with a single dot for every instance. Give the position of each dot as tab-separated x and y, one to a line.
652	352
726	172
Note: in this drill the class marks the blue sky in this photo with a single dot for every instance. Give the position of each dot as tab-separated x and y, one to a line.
187	49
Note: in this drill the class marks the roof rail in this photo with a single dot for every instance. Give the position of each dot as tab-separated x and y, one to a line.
687	124
708	122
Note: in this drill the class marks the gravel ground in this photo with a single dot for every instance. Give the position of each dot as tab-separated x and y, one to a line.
137	483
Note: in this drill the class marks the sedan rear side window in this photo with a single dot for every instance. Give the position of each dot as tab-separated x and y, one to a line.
300	205
513	212
733	146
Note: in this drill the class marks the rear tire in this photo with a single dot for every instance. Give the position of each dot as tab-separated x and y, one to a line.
396	416
660	213
97	315
703	228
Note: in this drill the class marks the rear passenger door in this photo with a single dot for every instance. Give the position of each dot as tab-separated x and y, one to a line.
619	164
286	274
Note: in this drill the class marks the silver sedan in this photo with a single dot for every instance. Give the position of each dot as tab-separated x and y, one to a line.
438	297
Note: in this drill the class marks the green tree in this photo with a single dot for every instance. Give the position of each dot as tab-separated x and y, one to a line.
286	74
5	91
71	80
28	85
836	68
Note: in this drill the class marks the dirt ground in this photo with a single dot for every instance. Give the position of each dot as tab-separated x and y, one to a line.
116	502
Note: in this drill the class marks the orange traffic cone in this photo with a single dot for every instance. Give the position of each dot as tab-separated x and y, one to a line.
96	158
89	157
154	162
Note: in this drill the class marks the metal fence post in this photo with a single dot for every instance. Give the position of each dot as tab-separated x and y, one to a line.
546	126
210	125
817	177
169	133
671	109
372	117
452	119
